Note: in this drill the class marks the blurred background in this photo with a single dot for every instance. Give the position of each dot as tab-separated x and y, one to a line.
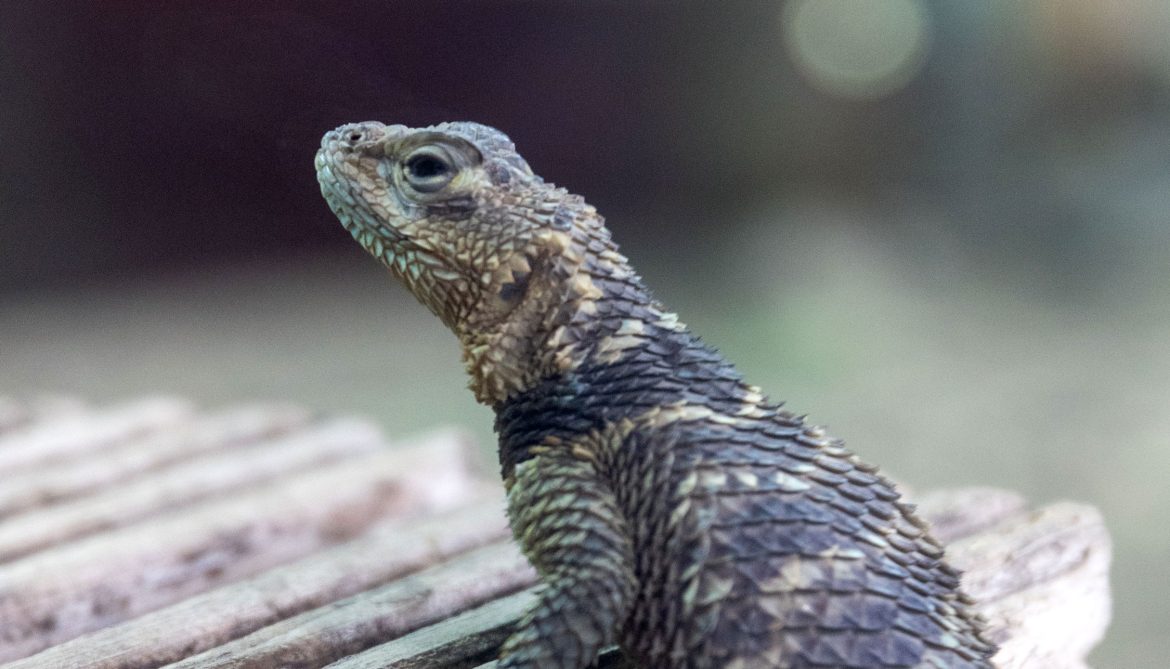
943	228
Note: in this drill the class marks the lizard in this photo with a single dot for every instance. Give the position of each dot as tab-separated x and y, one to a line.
668	506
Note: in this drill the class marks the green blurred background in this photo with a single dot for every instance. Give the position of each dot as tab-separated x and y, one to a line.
942	228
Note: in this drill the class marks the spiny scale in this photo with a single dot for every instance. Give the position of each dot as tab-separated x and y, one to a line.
668	505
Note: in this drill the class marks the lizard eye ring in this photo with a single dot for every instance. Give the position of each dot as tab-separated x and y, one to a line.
428	170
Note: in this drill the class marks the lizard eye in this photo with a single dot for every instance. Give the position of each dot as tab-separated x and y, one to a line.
427	170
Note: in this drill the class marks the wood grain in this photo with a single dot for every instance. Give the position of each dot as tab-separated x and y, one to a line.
82	585
152	534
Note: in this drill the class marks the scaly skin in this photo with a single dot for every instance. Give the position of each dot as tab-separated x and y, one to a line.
668	505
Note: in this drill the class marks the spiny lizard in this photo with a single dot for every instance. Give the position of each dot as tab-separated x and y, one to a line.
668	505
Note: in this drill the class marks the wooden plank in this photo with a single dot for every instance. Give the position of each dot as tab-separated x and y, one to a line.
960	512
60	593
72	433
90	472
341	628
185	483
214	618
466	640
461	641
1042	580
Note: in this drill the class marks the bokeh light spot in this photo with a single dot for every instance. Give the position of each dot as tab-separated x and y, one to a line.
856	49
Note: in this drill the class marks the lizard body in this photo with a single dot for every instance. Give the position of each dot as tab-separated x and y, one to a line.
668	505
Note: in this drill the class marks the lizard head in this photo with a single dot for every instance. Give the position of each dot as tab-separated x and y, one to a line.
461	219
438	206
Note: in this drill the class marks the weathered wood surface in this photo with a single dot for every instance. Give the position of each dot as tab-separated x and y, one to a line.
391	549
203	533
60	435
318	637
264	537
186	483
1041	578
90	472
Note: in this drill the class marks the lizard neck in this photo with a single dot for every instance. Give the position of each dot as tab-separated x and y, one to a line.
631	361
604	350
582	301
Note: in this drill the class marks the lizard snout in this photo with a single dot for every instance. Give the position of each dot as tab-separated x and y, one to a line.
359	135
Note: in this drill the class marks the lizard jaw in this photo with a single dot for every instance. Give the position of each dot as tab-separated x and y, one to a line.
348	159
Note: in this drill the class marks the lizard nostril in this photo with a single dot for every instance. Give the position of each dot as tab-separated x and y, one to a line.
356	135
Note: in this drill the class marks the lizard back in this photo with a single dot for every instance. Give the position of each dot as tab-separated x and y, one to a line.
760	541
